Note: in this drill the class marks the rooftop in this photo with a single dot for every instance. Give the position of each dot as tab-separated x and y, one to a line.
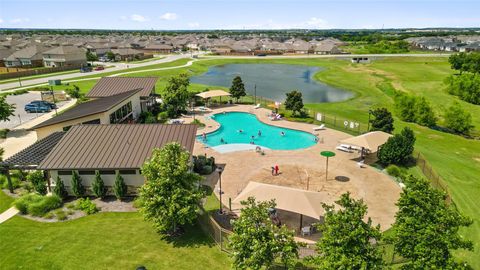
109	86
120	146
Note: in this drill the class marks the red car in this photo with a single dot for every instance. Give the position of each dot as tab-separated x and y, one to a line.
100	68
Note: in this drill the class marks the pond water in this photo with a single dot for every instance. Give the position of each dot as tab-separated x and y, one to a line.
273	81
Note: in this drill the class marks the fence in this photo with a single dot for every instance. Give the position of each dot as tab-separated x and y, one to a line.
435	179
32	72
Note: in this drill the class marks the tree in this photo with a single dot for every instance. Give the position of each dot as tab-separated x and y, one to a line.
398	149
424	114
6	110
382	120
110	56
458	119
457	61
119	187
60	189
98	187
38	182
405	107
426	228
294	101
237	90
78	189
256	241
176	94
170	195
348	242
75	92
91	56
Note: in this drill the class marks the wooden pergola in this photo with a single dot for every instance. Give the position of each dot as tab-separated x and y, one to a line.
30	157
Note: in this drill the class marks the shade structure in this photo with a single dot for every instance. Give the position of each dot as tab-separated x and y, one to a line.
371	140
213	93
304	202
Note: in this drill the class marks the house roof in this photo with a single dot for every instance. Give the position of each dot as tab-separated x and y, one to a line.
31	156
126	51
119	146
33	52
88	108
63	50
108	86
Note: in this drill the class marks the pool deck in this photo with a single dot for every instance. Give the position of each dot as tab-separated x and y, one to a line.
301	167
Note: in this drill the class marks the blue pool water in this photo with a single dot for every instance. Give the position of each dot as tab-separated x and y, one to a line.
270	136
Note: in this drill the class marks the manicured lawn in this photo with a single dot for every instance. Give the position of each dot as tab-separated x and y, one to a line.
103	241
5	201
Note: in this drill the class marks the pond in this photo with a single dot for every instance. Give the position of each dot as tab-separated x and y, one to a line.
273	81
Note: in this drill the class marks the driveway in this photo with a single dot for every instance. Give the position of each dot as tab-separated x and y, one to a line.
21	116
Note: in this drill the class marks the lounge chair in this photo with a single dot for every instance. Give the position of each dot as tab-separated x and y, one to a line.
361	164
321	127
344	149
306	230
258	106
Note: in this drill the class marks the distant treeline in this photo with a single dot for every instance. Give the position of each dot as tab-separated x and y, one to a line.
370	36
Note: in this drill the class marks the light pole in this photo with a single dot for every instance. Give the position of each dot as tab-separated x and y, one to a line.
219	170
255	94
53	97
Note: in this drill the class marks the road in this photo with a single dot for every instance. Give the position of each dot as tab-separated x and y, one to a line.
117	67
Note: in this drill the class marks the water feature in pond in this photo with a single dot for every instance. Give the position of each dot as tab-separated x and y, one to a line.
273	81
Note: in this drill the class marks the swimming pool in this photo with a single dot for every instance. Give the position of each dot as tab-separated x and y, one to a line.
270	137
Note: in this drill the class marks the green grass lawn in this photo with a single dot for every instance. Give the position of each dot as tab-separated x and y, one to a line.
5	201
143	61
104	241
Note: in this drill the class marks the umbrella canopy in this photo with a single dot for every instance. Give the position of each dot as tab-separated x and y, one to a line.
308	203
371	140
213	93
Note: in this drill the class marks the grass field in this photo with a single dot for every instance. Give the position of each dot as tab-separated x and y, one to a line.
5	201
103	241
455	158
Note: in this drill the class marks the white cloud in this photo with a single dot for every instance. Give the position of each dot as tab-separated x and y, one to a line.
169	16
19	20
138	18
312	23
1	20
315	22
194	25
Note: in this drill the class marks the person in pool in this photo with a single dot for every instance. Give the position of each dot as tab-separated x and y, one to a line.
259	133
282	133
204	136
240	131
222	140
253	137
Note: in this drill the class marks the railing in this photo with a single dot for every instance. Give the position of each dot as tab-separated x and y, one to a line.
435	179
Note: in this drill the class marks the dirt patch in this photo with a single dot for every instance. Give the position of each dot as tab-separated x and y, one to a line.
111	204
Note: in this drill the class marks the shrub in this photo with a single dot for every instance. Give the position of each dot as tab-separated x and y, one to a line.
4	183
382	120
3	133
203	165
98	187
414	109
86	206
48	215
458	120
45	205
424	114
61	215
162	117
394	171
119	187
38	182
137	203
198	123
466	86
207	169
37	205
60	189
77	187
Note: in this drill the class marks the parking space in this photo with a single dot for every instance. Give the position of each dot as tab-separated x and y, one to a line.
21	116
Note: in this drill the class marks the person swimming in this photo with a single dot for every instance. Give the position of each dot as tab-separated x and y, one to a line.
259	133
222	140
253	137
204	136
282	133
240	131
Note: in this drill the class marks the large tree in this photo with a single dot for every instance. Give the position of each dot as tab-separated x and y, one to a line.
294	102
237	90
6	110
424	114
398	149
457	119
348	242
170	195
176	95
426	228
382	120
257	242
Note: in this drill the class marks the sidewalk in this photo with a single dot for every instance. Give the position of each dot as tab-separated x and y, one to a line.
9	213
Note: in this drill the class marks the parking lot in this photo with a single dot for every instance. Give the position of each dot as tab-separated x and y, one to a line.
21	116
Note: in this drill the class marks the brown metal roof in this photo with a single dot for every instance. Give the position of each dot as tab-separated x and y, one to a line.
114	146
34	154
109	86
88	108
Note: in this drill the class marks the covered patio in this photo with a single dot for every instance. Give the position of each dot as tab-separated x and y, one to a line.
207	95
298	208
368	143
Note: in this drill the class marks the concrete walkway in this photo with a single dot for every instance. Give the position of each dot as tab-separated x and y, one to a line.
9	213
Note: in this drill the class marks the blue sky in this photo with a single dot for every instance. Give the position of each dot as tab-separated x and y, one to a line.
237	14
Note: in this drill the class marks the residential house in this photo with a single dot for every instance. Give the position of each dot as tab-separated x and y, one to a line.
326	48
31	56
64	56
126	54
119	108
110	149
110	86
154	48
4	53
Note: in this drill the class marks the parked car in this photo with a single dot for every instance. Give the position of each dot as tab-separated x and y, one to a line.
37	108
45	103
85	69
100	68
